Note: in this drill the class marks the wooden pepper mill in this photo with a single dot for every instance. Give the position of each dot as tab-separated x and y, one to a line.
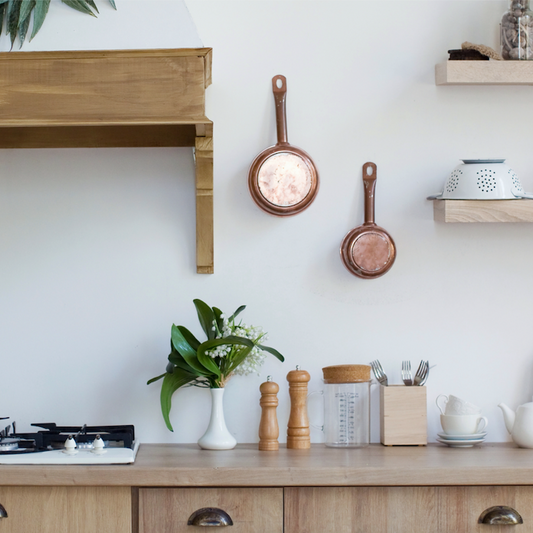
298	428
268	427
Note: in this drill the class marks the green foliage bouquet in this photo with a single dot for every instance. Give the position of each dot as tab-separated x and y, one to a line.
231	348
17	14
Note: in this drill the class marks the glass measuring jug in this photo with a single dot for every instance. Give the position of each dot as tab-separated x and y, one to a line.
346	406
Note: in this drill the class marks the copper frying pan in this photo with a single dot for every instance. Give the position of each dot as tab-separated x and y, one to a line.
283	179
368	251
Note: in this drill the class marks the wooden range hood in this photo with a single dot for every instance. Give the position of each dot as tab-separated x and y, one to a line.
114	99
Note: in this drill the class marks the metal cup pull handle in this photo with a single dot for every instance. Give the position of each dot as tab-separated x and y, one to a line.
500	515
210	517
3	512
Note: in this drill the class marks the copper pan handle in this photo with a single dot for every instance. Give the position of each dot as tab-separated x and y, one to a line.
279	88
369	181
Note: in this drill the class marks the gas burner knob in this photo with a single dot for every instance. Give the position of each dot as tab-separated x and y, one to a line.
98	446
70	446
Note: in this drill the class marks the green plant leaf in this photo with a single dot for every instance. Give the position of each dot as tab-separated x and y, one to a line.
171	383
273	351
185	350
112	2
79	5
206	318
175	359
39	14
24	19
239	310
25	9
13	12
92	4
189	337
218	317
232	340
241	356
2	13
206	361
156	378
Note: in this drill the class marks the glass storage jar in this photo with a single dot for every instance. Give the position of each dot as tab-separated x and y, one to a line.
346	406
516	32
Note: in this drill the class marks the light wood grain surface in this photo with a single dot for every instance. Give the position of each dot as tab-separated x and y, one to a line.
403	415
91	87
169	465
483	210
204	205
484	73
252	511
62	510
402	509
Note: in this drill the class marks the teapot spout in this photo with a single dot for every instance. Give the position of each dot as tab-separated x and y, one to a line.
508	416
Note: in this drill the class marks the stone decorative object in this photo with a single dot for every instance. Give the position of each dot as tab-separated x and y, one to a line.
517	31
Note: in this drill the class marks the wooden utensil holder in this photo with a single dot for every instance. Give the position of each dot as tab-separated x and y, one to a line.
403	415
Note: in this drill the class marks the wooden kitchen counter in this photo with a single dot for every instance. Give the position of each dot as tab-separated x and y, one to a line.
185	465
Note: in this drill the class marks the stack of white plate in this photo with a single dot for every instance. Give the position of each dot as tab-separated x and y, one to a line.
462	441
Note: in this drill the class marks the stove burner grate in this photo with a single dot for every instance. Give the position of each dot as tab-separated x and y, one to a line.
51	436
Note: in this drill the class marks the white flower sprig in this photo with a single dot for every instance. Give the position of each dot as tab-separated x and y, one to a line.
255	358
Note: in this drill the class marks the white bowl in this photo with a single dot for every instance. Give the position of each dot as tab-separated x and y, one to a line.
482	179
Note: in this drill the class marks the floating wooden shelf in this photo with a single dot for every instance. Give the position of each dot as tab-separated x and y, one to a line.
117	98
483	210
484	73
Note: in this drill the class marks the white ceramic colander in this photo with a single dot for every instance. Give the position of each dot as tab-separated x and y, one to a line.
482	179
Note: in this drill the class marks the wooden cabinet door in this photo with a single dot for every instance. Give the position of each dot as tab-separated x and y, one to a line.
251	510
66	509
402	509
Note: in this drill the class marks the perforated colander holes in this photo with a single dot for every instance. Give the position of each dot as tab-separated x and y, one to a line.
516	182
486	181
453	180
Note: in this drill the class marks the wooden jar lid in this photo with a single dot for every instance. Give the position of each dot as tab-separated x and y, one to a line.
346	373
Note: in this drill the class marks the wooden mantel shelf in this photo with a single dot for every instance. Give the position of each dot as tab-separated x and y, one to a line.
484	73
112	99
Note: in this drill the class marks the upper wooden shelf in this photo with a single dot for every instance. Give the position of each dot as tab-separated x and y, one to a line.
114	98
484	73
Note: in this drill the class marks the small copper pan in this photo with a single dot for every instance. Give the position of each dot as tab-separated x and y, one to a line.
283	179
368	251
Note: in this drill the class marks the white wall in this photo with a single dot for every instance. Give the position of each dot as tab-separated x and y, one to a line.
97	247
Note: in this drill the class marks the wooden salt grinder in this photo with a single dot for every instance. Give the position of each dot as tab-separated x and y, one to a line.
298	428
268	427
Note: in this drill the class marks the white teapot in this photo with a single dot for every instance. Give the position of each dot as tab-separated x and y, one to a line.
519	424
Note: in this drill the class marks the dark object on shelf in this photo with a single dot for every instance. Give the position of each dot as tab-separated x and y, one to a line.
467	55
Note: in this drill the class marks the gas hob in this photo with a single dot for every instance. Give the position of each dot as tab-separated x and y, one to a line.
75	445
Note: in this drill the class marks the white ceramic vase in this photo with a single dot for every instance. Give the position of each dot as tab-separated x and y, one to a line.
217	436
